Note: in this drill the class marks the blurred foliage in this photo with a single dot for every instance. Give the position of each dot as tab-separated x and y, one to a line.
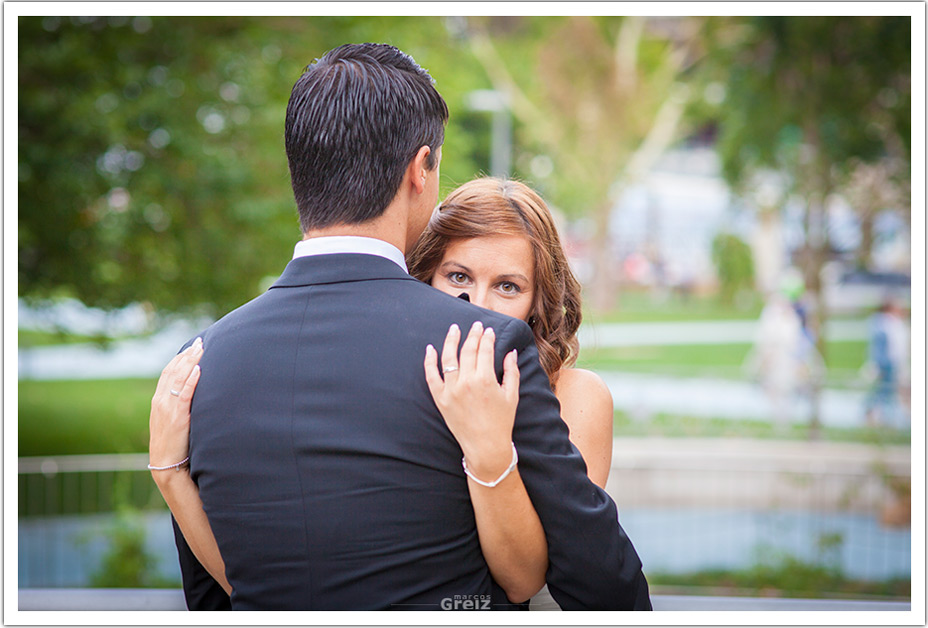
33	338
734	266
151	161
787	577
151	164
800	104
585	92
806	96
596	101
128	563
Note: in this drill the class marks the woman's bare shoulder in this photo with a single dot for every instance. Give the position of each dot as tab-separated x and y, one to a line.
586	407
581	381
584	392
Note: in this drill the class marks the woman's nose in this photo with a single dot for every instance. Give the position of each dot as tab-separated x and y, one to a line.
481	298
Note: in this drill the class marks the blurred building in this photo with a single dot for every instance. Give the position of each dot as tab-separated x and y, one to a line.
662	229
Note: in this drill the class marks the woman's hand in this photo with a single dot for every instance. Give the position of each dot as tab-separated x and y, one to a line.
170	436
480	414
478	410
169	422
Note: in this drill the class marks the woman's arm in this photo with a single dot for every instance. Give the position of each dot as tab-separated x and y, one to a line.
586	407
480	414
169	426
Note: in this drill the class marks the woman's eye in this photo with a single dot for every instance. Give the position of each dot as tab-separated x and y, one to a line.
508	287
457	278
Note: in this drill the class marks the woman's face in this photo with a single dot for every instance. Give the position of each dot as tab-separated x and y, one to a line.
497	272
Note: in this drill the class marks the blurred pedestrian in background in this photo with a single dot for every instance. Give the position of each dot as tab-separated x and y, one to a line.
784	359
888	365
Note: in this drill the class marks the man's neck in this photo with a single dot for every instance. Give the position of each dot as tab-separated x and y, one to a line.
386	227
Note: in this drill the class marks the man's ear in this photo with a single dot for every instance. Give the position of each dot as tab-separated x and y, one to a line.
418	169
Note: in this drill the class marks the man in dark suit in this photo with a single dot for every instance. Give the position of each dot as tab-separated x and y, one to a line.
328	475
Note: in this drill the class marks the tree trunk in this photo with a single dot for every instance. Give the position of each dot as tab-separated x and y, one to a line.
603	286
866	239
813	262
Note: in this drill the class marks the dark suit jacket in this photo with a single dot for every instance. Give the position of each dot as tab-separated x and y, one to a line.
329	477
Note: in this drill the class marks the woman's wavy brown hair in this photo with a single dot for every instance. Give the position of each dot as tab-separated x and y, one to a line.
488	207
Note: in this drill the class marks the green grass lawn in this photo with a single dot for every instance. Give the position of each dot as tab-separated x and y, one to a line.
641	306
634	306
84	417
111	416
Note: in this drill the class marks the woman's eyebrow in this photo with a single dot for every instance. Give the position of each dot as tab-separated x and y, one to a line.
456	265
511	276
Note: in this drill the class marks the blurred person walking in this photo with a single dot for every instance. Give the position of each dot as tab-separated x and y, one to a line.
774	359
784	359
888	365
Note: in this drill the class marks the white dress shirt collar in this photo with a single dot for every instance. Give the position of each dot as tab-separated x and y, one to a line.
327	245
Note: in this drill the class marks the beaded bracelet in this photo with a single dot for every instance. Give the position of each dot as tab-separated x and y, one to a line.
170	466
512	465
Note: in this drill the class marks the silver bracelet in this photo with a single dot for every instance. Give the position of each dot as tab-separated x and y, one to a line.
170	466
512	465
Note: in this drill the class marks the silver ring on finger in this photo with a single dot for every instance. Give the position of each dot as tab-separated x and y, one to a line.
176	393
448	369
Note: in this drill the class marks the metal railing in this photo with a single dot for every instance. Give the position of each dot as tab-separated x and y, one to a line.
692	499
65	485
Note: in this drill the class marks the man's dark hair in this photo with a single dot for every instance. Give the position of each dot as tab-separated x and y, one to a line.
355	120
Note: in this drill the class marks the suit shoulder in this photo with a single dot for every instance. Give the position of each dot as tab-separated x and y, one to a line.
456	307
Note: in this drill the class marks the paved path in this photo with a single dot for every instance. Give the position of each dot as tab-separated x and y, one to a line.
146	357
734	454
173	600
642	396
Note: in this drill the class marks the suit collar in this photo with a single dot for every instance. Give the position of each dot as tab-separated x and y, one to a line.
338	268
328	245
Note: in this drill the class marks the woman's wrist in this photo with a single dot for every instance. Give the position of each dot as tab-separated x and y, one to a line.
489	460
169	478
165	455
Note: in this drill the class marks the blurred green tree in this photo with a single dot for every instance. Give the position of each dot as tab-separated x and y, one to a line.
128	563
813	99
734	266
151	161
147	147
600	98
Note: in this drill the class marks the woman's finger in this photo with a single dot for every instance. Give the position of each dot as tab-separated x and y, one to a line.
449	352
432	376
183	369
469	348
511	376
485	355
168	372
186	393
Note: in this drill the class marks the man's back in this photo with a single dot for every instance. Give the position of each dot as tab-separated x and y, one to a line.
329	478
